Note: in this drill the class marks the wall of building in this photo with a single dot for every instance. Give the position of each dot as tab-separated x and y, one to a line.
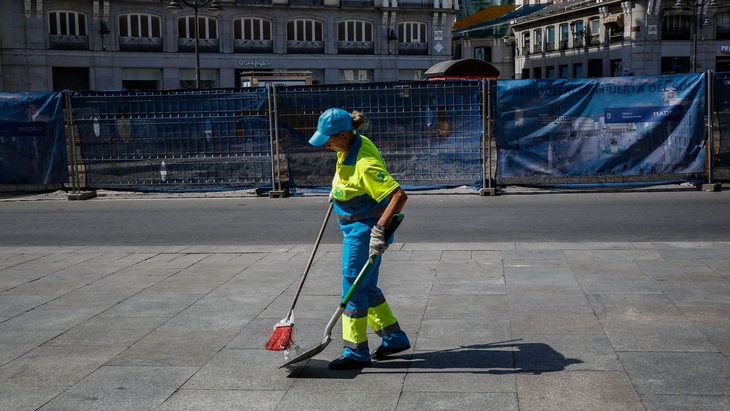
28	62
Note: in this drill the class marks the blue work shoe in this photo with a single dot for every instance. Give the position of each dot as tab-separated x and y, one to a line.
346	363
382	352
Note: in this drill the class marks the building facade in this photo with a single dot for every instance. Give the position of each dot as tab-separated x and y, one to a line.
605	38
602	38
144	44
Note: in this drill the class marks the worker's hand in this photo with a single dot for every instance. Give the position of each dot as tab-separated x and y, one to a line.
378	242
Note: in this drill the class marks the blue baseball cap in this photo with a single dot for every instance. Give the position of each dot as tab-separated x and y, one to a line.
331	122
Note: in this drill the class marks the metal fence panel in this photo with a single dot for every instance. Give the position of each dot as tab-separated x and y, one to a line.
168	140
430	133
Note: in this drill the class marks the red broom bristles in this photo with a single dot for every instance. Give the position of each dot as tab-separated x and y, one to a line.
281	338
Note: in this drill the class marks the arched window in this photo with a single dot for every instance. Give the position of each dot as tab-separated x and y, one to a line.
304	36
67	30
412	38
208	38
252	35
355	37
140	32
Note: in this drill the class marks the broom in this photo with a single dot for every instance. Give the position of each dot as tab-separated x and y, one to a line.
283	335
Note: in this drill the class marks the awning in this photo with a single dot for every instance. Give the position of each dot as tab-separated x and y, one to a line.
462	69
617	18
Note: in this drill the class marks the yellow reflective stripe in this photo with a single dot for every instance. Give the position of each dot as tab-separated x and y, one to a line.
354	330
381	317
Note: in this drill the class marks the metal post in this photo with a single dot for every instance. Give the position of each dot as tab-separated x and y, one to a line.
197	51
487	188
711	136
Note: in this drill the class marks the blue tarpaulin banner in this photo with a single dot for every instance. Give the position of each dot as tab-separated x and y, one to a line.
601	126
32	139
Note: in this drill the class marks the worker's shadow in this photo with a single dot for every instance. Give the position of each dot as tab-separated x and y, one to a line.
505	357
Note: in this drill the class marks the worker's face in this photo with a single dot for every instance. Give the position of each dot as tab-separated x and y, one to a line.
339	142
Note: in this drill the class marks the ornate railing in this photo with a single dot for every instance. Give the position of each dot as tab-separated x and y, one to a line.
550	46
537	48
304	47
355	47
410	48
67	42
595	40
204	45
253	46
306	2
140	43
357	3
415	4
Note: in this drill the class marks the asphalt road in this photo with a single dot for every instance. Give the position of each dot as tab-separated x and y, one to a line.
650	215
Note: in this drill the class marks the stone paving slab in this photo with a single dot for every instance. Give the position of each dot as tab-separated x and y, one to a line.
493	326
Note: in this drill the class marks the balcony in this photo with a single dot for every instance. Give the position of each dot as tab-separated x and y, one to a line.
304	47
140	43
248	2
186	45
253	46
415	4
412	49
594	40
550	46
355	47
67	42
578	42
306	2
537	48
616	38
357	3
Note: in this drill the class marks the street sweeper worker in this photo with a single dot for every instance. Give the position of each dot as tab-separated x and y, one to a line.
365	197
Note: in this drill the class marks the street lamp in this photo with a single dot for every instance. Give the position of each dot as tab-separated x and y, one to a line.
698	6
196	4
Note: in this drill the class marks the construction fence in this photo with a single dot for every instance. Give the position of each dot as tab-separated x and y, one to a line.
433	134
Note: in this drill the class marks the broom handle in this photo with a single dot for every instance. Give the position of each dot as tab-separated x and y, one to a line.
309	263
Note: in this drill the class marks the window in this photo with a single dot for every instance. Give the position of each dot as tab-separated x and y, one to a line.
412	38
595	67
564	36
67	23
186	27
356	76
304	30
355	30
483	53
550	72
594	34
537	47
550	39
252	29
617	68
526	43
576	28
577	70
676	27
722	22
304	37
67	30
674	65
563	71
412	32
139	25
140	32
537	72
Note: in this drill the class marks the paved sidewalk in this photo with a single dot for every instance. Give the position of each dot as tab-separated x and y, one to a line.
494	326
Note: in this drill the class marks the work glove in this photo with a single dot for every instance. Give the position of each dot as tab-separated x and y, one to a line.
378	242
